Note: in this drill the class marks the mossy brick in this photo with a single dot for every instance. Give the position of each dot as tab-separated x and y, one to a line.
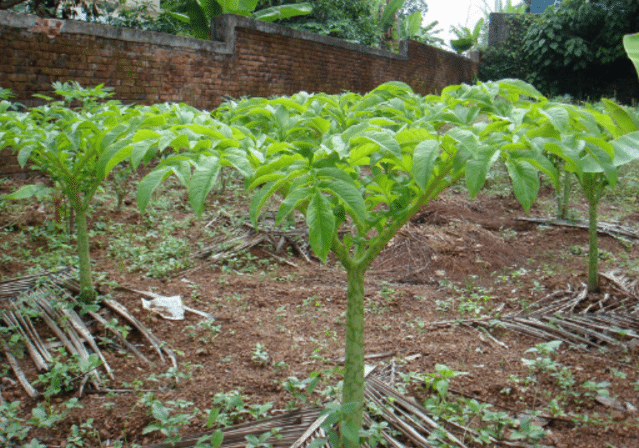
93	59
52	71
18	44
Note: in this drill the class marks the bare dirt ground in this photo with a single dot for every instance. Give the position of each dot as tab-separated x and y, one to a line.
456	259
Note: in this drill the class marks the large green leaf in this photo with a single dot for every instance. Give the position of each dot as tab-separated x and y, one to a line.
321	224
525	181
513	88
198	20
349	195
110	158
626	148
631	45
283	12
294	199
149	183
383	140
28	191
388	16
558	116
424	159
202	182
620	115
477	170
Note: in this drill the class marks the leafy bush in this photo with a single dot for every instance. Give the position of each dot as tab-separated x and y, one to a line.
577	48
351	20
507	60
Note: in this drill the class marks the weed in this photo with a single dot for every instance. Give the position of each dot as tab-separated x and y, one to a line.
230	407
166	422
259	355
66	372
261	441
13	431
208	329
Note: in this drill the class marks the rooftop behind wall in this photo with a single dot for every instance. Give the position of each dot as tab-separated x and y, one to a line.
247	57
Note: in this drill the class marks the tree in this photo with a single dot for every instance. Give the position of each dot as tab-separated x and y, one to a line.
412	6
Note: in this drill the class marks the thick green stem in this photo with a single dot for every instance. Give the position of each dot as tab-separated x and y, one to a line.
593	248
87	293
353	391
566	195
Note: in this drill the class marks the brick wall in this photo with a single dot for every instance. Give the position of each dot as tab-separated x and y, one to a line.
245	57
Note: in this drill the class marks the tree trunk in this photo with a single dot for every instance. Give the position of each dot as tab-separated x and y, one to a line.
353	391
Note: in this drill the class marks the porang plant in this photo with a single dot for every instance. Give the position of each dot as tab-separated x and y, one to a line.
358	168
78	150
586	144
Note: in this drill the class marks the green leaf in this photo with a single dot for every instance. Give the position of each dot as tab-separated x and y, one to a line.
626	148
28	191
388	16
144	134
631	45
202	182
283	12
525	181
477	170
149	183
512	88
321	224
25	154
558	116
350	196
216	439
114	154
318	443
424	159
259	199
350	432
159	411
181	17
620	115
291	202
383	140
198	20
442	387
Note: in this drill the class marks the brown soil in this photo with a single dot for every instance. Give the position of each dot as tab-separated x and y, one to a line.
294	310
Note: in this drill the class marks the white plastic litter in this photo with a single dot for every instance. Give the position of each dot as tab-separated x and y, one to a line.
170	308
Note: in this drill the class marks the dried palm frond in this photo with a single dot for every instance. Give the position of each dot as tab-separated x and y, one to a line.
577	318
234	237
407	423
43	304
605	228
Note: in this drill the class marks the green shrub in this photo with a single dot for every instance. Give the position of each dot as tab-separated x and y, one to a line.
577	48
507	60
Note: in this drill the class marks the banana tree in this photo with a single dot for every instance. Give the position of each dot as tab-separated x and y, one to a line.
358	168
200	13
466	39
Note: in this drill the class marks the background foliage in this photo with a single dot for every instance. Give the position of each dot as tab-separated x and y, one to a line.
575	49
507	59
354	20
